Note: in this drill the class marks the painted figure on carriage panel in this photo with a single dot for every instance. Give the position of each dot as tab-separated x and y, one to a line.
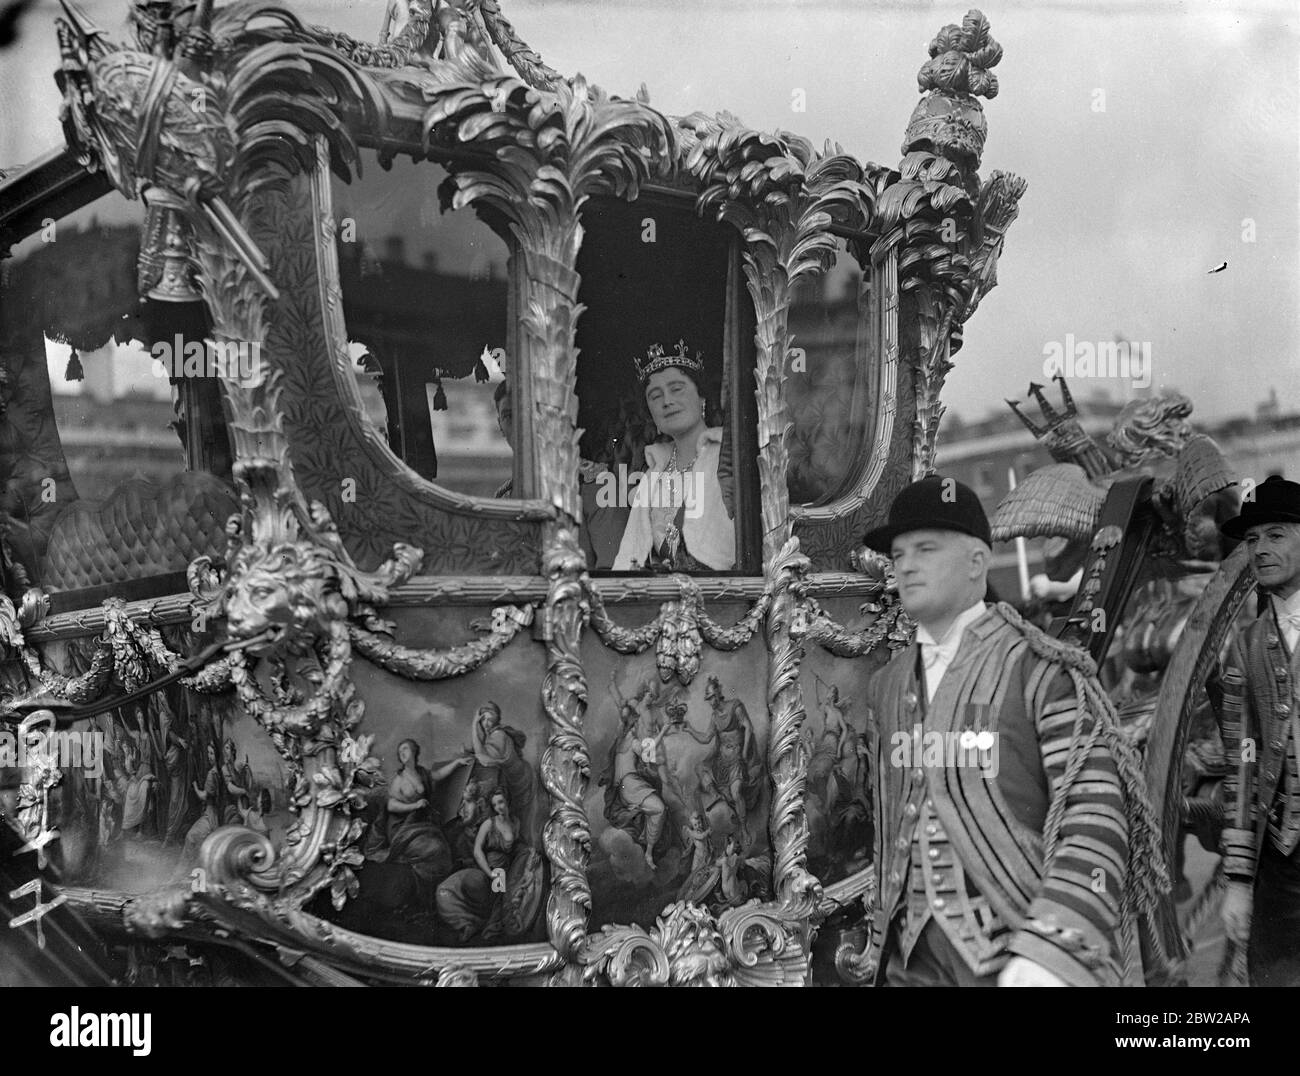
838	799
680	795
453	846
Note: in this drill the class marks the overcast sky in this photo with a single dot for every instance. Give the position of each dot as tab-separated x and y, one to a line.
1127	208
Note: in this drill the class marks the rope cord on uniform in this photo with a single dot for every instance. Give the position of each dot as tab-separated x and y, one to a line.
1148	873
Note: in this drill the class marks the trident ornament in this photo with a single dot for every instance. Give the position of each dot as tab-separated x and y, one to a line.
33	888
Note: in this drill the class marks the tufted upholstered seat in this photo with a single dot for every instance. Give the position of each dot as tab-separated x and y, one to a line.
141	529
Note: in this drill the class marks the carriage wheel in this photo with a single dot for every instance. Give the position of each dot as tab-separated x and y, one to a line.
1194	657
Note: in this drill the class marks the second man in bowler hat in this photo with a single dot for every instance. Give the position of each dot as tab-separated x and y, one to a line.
1261	738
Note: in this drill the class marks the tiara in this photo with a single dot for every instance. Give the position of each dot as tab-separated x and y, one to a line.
657	359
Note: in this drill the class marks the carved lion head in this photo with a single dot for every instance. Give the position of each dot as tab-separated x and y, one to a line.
289	590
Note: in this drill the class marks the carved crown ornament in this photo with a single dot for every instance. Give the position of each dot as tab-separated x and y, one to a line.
209	109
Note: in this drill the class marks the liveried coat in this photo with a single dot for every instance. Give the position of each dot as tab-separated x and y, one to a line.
1065	916
1258	713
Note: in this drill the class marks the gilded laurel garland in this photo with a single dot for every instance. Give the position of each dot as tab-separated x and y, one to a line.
413	664
617	637
679	630
890	625
126	654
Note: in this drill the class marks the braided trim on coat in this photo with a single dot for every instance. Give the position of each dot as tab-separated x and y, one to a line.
1148	873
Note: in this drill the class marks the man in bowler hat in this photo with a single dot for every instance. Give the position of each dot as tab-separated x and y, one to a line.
1010	875
1261	842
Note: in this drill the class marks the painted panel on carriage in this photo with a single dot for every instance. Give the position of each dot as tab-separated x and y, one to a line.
140	787
680	794
838	798
453	850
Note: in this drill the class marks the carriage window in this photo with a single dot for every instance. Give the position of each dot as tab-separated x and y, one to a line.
426	302
833	341
669	480
112	464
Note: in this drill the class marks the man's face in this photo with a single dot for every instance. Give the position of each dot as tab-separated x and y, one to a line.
936	572
1275	556
506	419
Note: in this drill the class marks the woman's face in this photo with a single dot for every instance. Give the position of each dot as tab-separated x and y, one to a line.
212	756
499	805
404	752
675	403
490	718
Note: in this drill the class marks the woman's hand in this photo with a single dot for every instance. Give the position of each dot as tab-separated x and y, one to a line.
421	804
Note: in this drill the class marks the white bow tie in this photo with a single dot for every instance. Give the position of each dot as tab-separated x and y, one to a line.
932	652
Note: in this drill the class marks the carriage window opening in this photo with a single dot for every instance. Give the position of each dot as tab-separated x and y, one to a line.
663	458
833	343
114	458
426	303
369	378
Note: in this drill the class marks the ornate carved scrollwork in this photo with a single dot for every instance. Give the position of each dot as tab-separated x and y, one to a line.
948	229
549	154
747	946
787	626
566	763
784	197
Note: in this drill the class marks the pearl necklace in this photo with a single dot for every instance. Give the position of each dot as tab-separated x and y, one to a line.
674	470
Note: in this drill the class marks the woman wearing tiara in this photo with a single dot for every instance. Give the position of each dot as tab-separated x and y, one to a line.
678	520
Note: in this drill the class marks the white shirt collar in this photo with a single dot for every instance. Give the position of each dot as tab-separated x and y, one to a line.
1288	618
952	636
1289	607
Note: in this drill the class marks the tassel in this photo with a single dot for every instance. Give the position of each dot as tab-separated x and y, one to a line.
480	371
74	372
439	397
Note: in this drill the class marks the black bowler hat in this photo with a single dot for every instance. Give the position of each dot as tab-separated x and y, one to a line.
1275	500
932	504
